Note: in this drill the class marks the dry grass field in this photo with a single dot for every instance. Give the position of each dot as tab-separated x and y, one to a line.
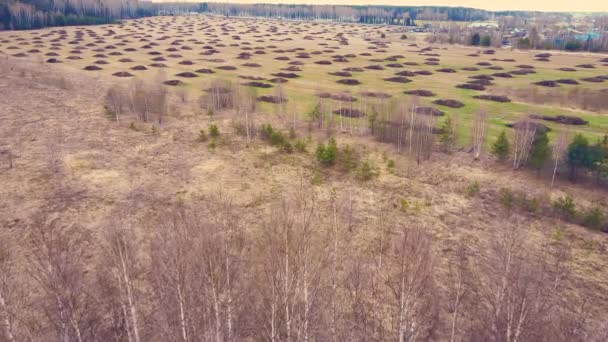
69	159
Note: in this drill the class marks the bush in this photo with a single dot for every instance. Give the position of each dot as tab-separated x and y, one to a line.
501	147
403	36
349	159
506	197
366	171
472	189
277	138
529	204
214	131
594	218
266	131
327	155
300	145
565	207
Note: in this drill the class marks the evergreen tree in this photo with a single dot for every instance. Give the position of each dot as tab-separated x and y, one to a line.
540	151
447	137
476	39
579	155
501	147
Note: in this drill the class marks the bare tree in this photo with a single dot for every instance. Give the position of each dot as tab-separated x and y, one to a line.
559	147
478	135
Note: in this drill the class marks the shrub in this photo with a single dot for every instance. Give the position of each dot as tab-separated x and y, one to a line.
277	138
327	155
529	204
390	164
594	218
565	207
317	178
287	147
348	159
382	35
403	36
472	189
214	131
501	147
506	197
366	171
300	145
210	111
266	131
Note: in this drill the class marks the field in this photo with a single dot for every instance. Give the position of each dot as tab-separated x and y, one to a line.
304	250
187	44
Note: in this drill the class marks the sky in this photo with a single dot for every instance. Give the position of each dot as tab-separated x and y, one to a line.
494	5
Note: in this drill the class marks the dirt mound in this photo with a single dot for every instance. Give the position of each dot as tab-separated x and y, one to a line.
323	62
543	55
139	68
502	75
567	81
420	92
226	67
252	65
257	84
567	69
348	112
471	86
186	63
205	71
122	74
586	66
349	81
525	66
74	57
341	73
286	75
395	65
53	60
374	67
423	72
470	69
449	103
376	94
542	60
596	79
563	119
551	84
158	65
495	98
292	68
484	63
522	72
126	60
91	68
271	99
482	77
353	69
398	79
282	58
296	63
495	67
173	83
278	80
252	78
537	126
429	111
186	74
343	97
159	59
447	70
406	73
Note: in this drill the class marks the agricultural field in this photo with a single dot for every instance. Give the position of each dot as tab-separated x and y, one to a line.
143	197
307	59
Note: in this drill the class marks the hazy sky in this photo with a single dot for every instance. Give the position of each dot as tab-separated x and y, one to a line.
538	5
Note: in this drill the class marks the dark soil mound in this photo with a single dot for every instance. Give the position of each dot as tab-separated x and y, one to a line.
173	83
586	66
448	70
495	98
323	62
563	119
101	62
470	69
271	99
546	83
353	69
542	60
429	111
543	55
74	57
286	75
539	127
341	73
376	94
423	72
257	84
296	63
226	67
395	65
525	66
596	79
348	112
292	68
158	65
92	68
502	75
420	92
398	79
522	72
471	86
159	59
410	63
495	67
139	67
278	80
252	65
122	74
567	69
405	73
374	67
126	60
282	58
484	63
449	103
205	71
324	95
53	60
349	81
343	97
186	74
186	63
567	81
482	77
